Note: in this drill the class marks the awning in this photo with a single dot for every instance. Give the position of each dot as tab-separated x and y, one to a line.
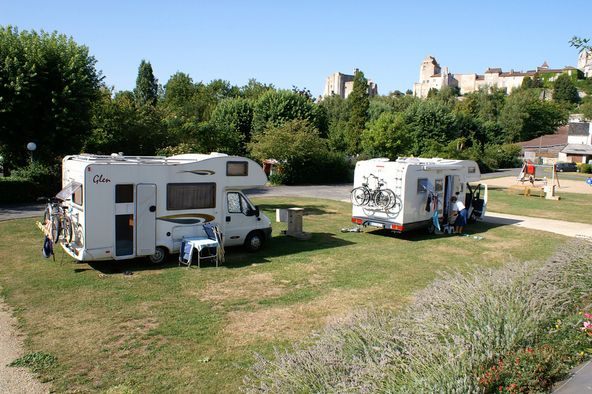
68	190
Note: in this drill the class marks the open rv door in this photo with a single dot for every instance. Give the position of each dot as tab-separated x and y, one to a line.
478	202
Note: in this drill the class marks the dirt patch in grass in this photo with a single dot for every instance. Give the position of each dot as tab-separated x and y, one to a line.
289	323
241	287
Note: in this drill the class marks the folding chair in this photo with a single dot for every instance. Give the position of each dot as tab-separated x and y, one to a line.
209	245
213	232
186	254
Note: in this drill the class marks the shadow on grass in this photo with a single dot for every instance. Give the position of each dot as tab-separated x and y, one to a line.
479	229
236	256
309	210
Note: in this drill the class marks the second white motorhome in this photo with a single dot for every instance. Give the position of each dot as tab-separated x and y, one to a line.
403	195
122	207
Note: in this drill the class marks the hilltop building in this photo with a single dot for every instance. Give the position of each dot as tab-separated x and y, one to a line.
342	85
585	63
431	75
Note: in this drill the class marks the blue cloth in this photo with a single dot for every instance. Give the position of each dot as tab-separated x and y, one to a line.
435	217
461	219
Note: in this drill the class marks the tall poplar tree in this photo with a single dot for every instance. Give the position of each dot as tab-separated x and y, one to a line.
146	91
360	103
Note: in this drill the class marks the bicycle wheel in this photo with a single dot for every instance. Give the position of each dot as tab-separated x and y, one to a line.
55	229
66	229
382	199
359	196
392	197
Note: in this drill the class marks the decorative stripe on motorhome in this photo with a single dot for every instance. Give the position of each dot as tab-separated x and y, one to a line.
194	218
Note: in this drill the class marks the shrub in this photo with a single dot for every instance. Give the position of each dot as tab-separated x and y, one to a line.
28	183
325	167
450	337
586	168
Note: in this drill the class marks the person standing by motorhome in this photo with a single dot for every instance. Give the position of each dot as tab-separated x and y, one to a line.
458	209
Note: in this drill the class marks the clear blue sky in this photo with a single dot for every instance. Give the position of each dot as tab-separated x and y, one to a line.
300	43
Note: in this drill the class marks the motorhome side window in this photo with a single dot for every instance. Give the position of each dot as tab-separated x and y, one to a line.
422	186
124	193
191	196
237	168
77	196
439	185
237	203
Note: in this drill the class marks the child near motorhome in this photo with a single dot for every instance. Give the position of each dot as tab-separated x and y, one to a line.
458	209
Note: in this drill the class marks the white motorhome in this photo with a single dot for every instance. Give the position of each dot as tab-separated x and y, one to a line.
417	187
123	207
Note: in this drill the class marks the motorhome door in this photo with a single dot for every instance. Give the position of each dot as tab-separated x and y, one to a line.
453	187
239	218
145	219
125	209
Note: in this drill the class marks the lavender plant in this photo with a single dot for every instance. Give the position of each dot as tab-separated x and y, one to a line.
454	329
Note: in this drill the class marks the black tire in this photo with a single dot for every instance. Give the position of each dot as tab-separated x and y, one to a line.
55	229
160	255
254	241
66	229
383	199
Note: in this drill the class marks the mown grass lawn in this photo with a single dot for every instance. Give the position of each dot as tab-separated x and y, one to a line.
181	330
572	207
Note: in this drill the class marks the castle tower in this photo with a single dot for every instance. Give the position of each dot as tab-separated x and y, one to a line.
429	66
585	63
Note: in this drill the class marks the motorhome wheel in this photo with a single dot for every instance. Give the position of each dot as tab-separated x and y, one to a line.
254	241
159	256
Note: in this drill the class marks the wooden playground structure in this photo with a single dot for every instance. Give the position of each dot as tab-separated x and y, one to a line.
527	174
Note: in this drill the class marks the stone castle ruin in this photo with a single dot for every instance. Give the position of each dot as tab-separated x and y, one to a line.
431	75
342	85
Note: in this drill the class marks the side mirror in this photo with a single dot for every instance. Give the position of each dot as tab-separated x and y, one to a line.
254	212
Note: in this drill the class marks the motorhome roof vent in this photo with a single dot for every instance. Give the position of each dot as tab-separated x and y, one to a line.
218	154
117	156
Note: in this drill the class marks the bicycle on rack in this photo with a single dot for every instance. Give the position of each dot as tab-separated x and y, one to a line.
55	217
364	195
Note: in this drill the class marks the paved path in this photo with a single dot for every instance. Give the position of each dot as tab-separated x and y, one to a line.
341	193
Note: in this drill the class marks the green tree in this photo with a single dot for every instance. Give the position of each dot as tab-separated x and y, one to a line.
532	83
586	108
337	113
564	90
48	85
525	116
430	120
360	103
236	117
377	108
146	90
277	107
118	125
387	136
254	90
287	141
179	93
